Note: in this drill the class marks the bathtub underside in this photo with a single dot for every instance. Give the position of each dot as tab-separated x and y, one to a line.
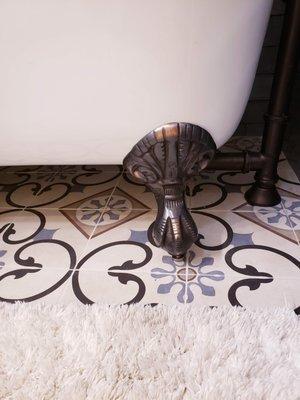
111	79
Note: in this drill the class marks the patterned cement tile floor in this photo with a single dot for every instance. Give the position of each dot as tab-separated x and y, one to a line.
79	234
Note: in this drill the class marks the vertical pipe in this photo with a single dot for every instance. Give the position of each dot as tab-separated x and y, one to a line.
264	192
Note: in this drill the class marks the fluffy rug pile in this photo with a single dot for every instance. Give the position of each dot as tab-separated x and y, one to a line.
101	352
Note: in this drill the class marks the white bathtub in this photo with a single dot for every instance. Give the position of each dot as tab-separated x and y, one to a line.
81	81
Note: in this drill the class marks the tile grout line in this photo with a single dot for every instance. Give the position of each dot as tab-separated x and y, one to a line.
112	190
95	227
87	243
104	209
54	174
186	283
20	209
82	253
85	247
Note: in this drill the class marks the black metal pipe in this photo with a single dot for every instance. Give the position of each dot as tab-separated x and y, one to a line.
238	161
264	192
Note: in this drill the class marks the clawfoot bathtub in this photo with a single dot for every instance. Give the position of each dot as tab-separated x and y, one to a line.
82	82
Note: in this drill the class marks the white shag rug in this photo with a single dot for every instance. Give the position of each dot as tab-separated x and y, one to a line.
100	352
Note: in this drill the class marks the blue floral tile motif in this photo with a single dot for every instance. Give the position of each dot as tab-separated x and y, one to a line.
103	210
2	254
119	204
138	236
282	219
196	273
91	211
98	202
177	278
292	209
45	234
242	239
286	217
273	216
186	278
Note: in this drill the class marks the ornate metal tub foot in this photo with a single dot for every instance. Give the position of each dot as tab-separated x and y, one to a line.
163	160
